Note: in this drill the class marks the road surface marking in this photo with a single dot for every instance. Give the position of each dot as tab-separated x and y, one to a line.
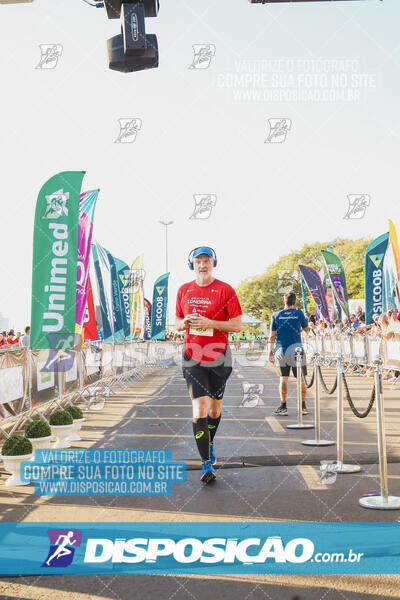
311	477
274	424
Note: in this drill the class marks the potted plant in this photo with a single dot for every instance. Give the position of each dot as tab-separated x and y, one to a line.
16	449
39	434
61	427
78	419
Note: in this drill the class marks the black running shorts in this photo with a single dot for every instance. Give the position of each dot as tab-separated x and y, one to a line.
207	378
287	362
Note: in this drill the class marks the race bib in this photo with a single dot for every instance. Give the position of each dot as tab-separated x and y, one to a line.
209	332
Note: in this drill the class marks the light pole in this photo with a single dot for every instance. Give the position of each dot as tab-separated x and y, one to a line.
166	242
166	223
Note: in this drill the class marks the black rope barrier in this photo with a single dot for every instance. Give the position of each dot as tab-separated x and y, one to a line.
327	390
310	384
360	415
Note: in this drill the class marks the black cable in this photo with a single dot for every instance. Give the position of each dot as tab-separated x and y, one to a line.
308	385
331	391
360	415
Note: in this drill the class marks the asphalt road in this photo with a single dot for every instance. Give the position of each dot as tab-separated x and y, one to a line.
264	473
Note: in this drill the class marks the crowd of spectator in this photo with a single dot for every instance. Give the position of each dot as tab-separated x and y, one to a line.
174	336
384	325
235	338
12	340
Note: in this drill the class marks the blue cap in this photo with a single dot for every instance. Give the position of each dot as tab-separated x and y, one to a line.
203	250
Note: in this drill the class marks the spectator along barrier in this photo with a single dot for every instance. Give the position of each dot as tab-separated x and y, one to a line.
35	382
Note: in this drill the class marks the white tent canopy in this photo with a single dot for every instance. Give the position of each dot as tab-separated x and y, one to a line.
247	320
250	320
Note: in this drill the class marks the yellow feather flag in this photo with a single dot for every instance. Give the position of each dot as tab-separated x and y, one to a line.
395	247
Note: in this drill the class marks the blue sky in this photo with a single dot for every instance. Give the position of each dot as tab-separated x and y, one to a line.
200	135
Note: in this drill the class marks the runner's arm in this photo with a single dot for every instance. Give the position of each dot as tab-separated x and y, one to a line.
182	324
234	324
271	341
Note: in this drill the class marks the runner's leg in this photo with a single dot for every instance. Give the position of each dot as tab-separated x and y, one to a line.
303	391
218	378
197	382
283	388
213	417
283	370
303	387
200	426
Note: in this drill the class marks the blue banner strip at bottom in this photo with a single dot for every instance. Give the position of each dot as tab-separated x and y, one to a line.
203	548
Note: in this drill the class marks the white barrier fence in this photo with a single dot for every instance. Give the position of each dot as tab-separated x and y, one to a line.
356	349
39	380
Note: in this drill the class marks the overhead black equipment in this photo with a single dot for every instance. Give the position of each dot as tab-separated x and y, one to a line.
132	49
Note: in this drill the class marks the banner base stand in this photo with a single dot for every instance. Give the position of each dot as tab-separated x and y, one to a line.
378	502
318	443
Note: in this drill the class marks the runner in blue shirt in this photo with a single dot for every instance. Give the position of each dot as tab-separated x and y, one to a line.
285	337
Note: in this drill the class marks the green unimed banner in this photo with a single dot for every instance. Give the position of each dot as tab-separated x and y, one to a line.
55	256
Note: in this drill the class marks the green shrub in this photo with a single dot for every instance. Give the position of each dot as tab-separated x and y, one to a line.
60	417
37	429
16	445
75	412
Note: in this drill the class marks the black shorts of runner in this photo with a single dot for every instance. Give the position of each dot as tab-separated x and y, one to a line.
207	378
287	362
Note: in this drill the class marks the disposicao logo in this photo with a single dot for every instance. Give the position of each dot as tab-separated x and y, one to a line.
190	550
62	542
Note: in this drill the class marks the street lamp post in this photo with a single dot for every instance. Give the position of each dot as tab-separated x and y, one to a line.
166	242
166	223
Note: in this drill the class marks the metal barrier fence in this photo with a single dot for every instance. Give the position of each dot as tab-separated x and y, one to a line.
356	349
248	345
37	381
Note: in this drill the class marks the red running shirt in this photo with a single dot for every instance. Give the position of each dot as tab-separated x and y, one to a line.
217	301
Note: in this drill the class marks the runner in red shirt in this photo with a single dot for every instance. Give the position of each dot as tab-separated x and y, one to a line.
207	309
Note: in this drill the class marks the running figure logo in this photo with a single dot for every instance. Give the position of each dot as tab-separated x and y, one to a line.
203	54
252	393
287	278
278	129
130	279
50	53
358	204
56	205
61	357
128	129
62	542
329	471
203	205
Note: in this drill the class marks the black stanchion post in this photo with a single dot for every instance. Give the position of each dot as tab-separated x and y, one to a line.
317	415
382	501
299	424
